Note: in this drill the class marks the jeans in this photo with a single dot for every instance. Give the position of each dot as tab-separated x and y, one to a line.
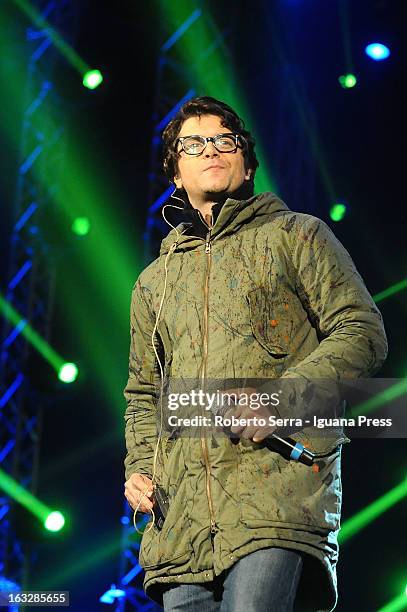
263	581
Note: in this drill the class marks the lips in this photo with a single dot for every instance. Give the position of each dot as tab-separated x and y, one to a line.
213	167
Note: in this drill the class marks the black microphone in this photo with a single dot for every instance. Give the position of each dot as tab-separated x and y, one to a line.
290	449
287	447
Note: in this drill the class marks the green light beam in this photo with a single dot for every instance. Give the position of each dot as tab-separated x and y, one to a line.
399	603
40	345
366	516
380	399
387	395
390	291
88	187
110	259
66	50
14	490
212	74
83	562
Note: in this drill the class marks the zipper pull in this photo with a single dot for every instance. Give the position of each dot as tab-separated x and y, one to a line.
213	528
208	242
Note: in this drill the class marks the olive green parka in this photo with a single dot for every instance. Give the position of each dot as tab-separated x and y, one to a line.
269	293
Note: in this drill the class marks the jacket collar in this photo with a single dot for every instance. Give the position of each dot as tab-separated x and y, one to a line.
194	217
232	214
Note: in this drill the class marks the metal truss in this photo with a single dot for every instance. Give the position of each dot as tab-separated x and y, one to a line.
30	281
175	84
129	593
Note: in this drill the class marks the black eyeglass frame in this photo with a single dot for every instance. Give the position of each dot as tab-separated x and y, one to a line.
209	139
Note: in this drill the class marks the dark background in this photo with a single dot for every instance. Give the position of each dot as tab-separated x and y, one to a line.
362	144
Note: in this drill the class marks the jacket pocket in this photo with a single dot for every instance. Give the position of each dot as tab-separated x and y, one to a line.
162	548
171	544
270	322
275	492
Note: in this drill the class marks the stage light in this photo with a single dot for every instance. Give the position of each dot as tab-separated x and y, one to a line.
337	212
42	24
347	80
92	79
54	521
81	226
377	51
21	326
112	594
68	373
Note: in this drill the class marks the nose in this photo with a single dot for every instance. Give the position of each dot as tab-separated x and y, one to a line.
210	150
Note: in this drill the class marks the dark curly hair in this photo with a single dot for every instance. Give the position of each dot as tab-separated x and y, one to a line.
205	105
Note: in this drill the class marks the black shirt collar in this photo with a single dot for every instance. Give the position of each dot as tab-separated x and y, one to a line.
192	215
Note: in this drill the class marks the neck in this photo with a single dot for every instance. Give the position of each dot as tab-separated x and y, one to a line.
205	203
204	208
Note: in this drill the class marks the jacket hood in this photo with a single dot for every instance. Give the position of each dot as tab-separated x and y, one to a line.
233	215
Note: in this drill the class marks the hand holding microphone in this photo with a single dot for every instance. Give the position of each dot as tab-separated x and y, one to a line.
254	429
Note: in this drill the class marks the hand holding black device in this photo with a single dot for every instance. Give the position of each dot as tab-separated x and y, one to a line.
161	506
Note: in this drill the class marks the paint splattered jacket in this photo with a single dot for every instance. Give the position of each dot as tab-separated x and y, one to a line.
270	293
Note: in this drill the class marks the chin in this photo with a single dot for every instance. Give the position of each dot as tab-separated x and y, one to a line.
219	188
215	191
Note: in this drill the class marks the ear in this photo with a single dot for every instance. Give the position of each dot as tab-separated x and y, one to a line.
248	174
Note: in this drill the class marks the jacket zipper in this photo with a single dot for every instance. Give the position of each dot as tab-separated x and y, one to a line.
204	368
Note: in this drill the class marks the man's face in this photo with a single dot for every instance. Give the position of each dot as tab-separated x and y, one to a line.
211	172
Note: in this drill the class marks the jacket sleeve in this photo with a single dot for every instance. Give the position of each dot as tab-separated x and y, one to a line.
141	391
350	327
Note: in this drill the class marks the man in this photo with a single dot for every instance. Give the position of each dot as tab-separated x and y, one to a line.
246	289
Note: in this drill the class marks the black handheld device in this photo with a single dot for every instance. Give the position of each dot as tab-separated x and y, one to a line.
161	506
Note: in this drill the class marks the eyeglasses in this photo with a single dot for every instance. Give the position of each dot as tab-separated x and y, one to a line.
195	145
